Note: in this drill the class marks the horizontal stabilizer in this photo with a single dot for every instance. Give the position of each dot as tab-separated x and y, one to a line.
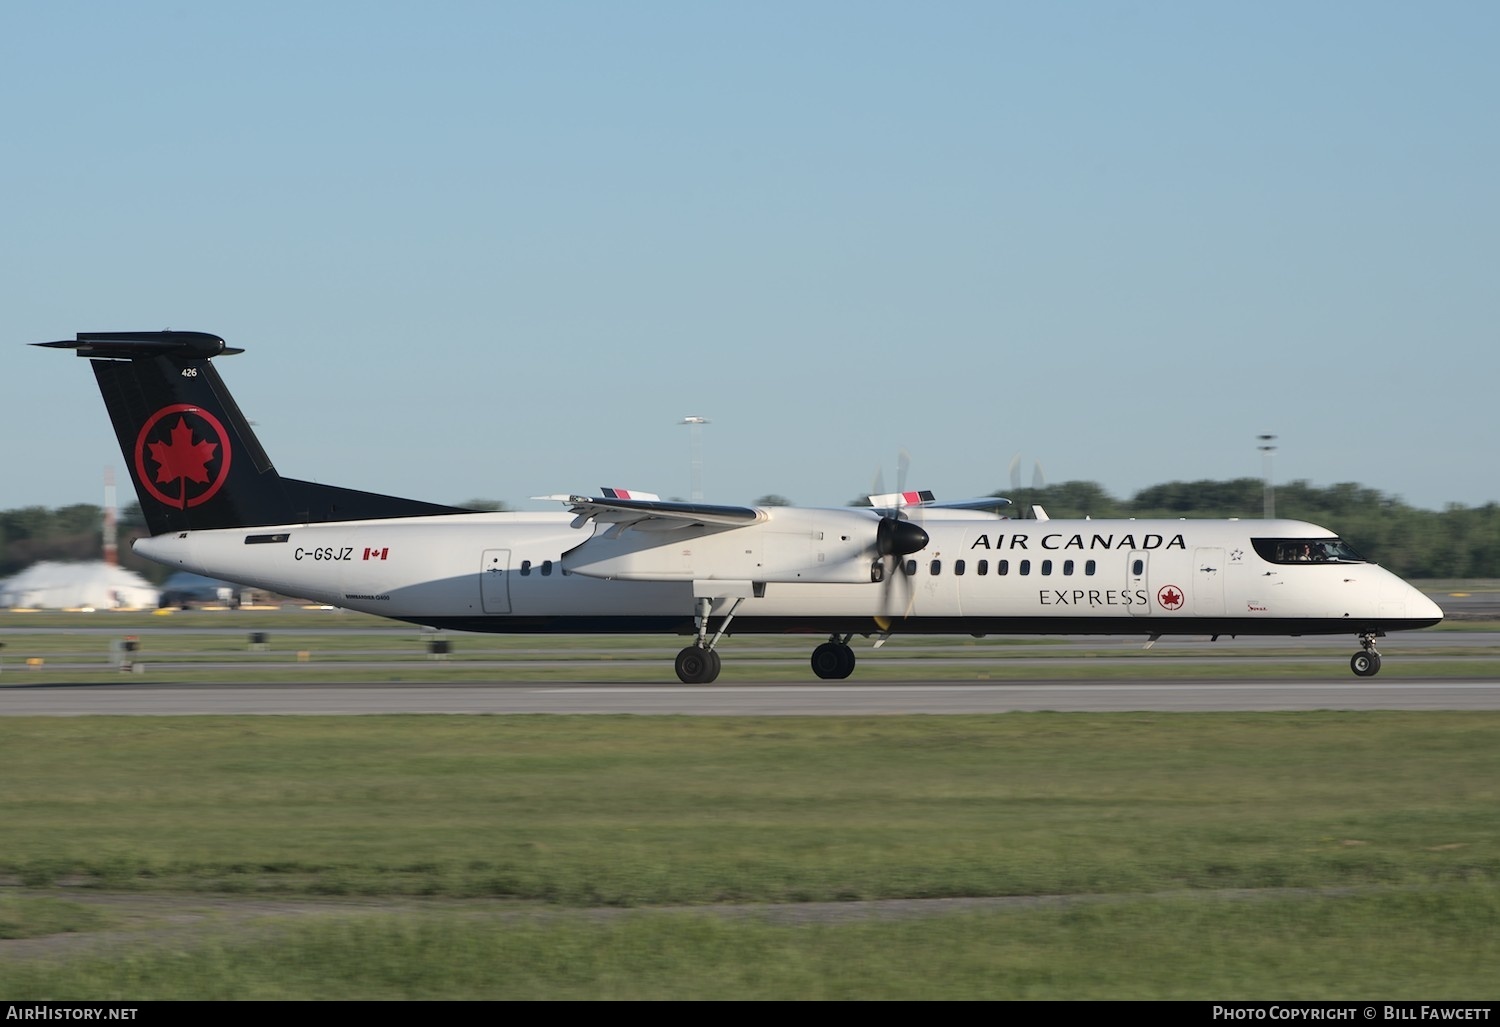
139	345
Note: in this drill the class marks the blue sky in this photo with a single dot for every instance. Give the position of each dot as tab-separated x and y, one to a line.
502	249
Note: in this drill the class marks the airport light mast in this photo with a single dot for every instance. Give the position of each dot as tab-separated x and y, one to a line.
695	430
1267	451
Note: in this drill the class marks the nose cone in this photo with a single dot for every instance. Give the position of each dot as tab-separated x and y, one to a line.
1396	604
1423	609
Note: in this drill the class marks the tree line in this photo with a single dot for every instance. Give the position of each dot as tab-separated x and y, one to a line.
1456	542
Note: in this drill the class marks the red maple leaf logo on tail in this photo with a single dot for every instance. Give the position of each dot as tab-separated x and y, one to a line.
201	467
182	457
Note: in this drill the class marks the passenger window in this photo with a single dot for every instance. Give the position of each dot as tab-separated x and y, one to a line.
1002	567
1067	566
958	566
546	568
911	567
936	567
1046	566
1025	567
1138	568
525	568
1089	567
983	568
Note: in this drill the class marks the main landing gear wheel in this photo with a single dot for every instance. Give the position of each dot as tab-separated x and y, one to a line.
697	666
833	661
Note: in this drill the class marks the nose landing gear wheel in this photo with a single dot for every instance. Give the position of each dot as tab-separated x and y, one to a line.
1366	665
697	666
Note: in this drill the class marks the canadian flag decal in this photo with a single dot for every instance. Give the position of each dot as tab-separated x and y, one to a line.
376	554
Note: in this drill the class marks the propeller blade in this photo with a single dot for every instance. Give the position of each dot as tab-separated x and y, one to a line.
896	538
886	618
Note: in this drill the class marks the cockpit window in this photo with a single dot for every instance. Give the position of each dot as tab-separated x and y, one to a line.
1306	550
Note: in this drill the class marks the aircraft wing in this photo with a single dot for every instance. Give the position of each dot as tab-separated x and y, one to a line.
655	514
991	503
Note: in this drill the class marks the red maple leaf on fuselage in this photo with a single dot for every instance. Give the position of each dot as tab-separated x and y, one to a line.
182	457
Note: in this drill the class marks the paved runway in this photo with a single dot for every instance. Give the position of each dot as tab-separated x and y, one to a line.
747	699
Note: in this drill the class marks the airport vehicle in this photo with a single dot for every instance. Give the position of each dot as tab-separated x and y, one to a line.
628	562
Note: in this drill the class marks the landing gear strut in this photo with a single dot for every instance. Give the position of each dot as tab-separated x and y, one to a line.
1366	663
698	664
833	660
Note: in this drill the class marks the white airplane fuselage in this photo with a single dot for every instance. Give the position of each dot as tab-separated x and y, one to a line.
507	572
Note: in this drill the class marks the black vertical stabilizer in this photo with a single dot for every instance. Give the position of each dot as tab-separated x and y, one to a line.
193	458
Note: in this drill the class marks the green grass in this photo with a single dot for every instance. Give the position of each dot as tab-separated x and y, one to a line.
468	857
33	916
1284	949
627	811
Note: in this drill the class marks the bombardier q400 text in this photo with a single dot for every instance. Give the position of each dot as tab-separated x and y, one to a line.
623	562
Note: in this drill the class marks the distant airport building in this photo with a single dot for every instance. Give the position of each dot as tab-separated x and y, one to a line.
98	585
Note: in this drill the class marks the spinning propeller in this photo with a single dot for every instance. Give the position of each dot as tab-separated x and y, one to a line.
896	538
